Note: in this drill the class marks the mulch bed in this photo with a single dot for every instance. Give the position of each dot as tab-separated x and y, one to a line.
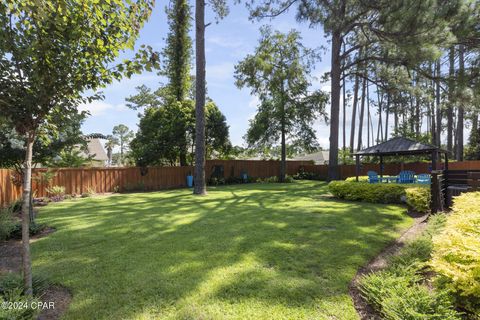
11	261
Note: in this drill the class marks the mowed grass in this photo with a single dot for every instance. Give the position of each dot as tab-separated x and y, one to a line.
256	251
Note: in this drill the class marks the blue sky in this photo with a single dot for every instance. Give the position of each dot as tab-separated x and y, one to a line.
226	43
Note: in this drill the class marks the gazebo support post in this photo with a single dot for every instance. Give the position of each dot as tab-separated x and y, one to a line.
381	168
434	160
357	167
446	161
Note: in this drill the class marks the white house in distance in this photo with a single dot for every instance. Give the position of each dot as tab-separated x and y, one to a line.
319	157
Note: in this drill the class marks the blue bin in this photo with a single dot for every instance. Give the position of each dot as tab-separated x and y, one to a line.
189	181
244	177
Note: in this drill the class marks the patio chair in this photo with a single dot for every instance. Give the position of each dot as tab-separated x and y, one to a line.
373	177
424	178
406	176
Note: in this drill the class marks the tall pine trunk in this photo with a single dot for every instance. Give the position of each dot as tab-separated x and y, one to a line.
27	189
437	103
344	120
354	114
369	119
451	83
283	164
200	187
387	113
335	74
362	111
460	125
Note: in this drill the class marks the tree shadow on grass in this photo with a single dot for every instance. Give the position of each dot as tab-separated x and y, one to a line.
271	243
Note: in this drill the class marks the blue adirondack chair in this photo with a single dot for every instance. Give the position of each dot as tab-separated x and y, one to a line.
424	178
373	177
406	176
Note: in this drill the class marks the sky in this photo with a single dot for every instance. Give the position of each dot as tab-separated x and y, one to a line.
226	43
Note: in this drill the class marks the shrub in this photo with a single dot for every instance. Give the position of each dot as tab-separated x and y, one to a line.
7	223
16	232
360	179
214	181
11	291
456	251
57	193
304	175
361	191
399	291
273	179
418	198
289	179
401	296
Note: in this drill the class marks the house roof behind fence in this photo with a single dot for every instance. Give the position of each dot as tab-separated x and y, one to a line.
399	146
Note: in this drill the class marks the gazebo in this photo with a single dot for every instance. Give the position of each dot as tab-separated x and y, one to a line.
406	147
400	147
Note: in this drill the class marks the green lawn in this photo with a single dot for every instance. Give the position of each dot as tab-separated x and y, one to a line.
256	251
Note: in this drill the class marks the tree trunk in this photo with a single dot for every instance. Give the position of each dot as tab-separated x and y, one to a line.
109	156
439	110
369	119
283	165
344	120
27	189
451	74
380	121
387	113
200	187
460	125
354	114
362	111
395	118
333	173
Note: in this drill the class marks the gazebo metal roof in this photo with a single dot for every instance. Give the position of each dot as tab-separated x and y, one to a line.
398	146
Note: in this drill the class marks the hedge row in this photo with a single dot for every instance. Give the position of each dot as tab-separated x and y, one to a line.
456	253
417	197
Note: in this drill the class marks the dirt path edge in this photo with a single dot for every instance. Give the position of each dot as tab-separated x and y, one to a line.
364	310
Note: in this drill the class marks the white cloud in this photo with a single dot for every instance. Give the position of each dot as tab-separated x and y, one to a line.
225	42
220	72
99	108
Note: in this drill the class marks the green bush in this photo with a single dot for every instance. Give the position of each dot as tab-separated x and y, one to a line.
368	192
16	232
11	291
418	198
7	223
399	291
304	175
402	297
360	179
456	251
56	193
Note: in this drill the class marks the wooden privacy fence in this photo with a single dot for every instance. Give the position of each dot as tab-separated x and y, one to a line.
101	180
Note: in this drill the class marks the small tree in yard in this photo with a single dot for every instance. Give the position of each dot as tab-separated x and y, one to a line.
51	52
278	74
